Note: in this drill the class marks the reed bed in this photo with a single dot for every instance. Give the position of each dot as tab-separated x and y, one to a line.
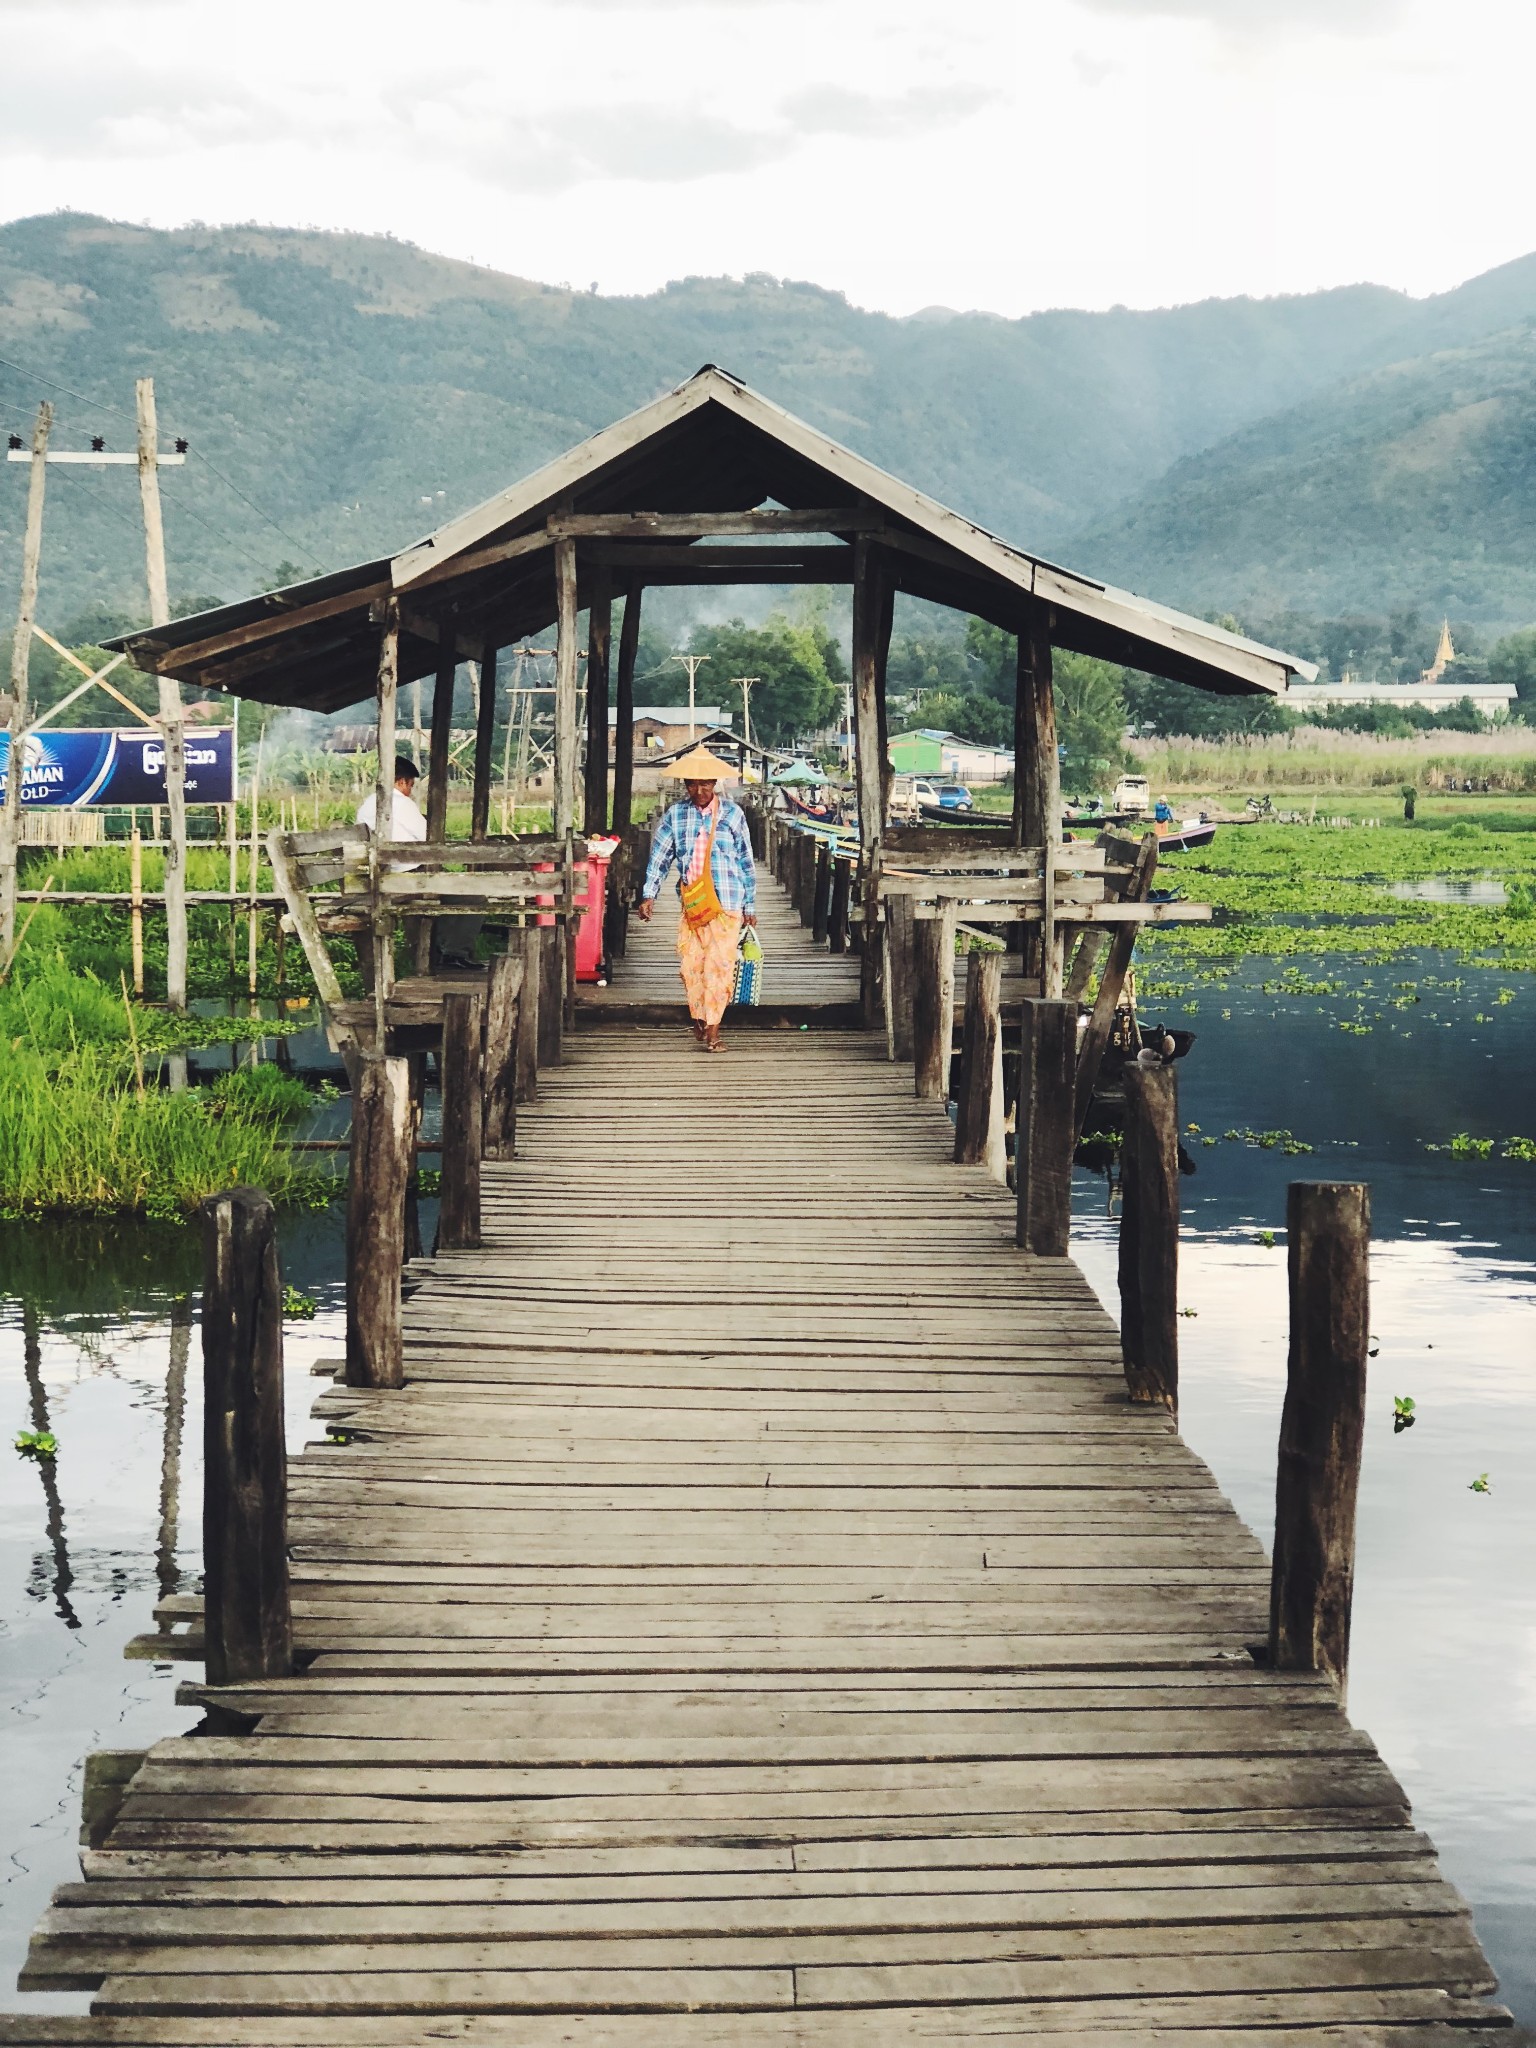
1316	757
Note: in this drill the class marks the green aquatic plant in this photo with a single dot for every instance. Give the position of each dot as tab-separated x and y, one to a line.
1267	1239
40	1444
1403	1416
299	1308
1480	1484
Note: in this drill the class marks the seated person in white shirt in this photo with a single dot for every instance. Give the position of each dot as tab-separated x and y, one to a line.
405	819
453	937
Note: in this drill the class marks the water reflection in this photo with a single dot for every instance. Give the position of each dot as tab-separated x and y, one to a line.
1443	1666
97	1345
1451	889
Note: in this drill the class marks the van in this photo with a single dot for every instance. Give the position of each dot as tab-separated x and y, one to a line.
1133	793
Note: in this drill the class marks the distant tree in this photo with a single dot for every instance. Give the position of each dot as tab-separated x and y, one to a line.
994	657
1090	719
799	669
1513	660
970	715
1178	709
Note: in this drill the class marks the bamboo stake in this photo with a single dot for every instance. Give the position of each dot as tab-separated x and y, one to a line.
21	647
252	918
136	902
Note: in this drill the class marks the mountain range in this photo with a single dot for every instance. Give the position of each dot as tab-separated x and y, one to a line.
1351	449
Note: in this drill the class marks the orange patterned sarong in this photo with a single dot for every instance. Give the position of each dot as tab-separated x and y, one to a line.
707	955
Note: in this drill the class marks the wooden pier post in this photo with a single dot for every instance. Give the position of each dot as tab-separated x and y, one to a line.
245	1461
821	900
551	1011
624	711
136	903
1322	1427
1149	1236
383	1137
458	1217
933	1003
599	640
806	850
1044	1134
837	915
503	1005
524	940
979	1105
485	733
900	929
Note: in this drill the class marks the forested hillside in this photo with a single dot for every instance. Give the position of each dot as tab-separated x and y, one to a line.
343	393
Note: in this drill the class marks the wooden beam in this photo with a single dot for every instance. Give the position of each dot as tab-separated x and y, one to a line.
702	525
565	688
421	571
599	635
1322	1427
485	732
154	656
868	611
655	560
422	626
624	709
442	735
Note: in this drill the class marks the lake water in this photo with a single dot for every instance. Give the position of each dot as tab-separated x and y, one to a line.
1443	1667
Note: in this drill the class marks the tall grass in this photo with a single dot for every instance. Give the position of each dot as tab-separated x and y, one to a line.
81	1134
1314	757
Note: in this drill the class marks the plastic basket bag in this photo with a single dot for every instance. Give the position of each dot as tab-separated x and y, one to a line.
747	988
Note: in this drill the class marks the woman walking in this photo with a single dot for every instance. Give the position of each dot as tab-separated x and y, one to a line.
705	838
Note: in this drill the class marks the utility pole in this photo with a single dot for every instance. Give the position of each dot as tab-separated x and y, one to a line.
170	705
746	684
31	552
693	663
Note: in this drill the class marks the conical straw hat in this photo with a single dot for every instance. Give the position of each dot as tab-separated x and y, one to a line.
703	766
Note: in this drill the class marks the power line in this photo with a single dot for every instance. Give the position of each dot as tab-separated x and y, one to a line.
287	536
99	403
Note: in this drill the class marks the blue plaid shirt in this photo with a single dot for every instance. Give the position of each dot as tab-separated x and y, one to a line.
730	860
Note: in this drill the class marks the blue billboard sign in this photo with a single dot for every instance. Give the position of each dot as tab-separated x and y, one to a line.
80	768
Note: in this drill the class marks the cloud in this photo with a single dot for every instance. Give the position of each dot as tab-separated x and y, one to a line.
835	110
1349	17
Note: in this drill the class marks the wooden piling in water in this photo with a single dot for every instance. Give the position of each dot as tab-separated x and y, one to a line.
503	1004
1322	1427
248	1623
1044	1129
933	1003
458	1220
1149	1236
979	1104
383	1131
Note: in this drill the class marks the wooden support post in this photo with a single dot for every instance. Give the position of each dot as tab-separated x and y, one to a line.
805	879
821	894
599	636
458	1217
624	711
384	812
565	688
136	903
485	733
503	1002
175	885
1101	1022
442	729
979	1101
245	1460
411	1244
1043	1132
837	917
1149	1236
551	993
1037	776
933	1003
21	648
525	939
869	613
1322	1427
379	1163
900	933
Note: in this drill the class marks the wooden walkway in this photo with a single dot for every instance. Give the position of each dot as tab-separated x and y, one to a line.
762	1620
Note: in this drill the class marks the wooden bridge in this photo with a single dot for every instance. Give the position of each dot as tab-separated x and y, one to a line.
760	1617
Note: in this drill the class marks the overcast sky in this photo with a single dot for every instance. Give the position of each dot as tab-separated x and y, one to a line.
1005	154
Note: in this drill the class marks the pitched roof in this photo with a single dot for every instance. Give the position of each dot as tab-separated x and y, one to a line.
712	445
